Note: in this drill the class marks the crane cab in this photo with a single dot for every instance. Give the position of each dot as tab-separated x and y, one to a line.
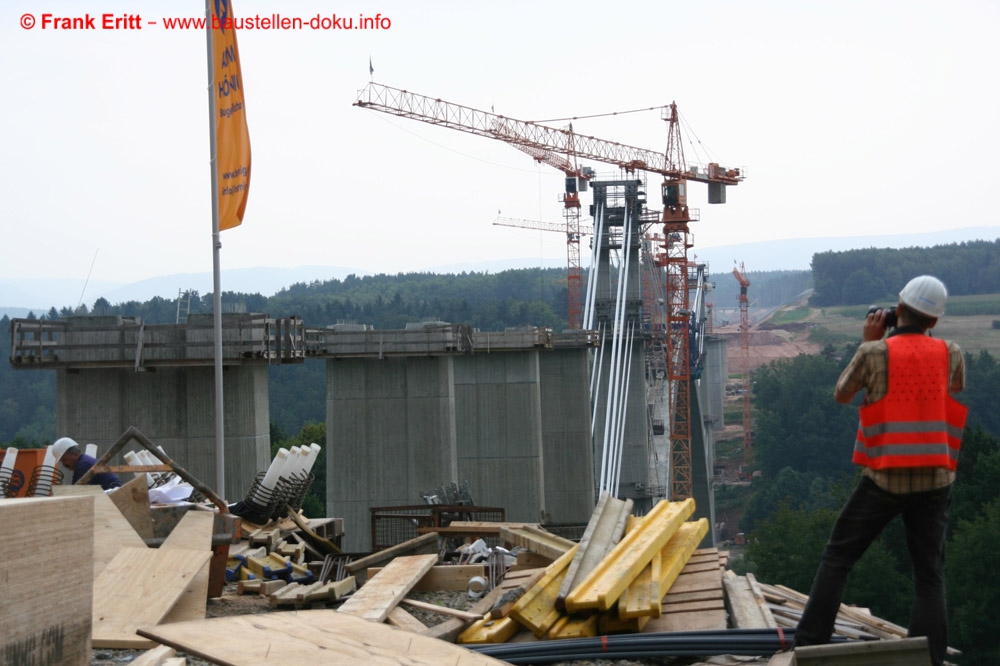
674	193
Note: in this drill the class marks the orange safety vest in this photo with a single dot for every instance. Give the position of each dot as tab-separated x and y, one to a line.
918	423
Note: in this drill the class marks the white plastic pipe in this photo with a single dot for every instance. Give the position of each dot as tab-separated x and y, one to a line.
91	450
133	459
44	486
271	477
291	463
313	453
7	467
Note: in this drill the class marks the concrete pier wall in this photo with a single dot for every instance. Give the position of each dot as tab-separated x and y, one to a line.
173	407
509	423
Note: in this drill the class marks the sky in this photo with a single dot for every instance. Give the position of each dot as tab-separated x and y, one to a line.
848	118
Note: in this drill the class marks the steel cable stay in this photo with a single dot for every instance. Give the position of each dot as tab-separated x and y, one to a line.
622	399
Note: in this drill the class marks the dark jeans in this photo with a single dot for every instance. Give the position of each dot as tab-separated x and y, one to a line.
867	512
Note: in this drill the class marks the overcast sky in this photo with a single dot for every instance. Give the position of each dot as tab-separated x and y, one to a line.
849	118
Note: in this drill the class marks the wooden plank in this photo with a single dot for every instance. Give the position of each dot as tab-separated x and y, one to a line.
700	595
402	618
381	594
46	583
758	596
603	532
696	606
112	531
529	560
299	638
154	657
902	652
427	543
132	499
444	578
139	587
697	581
537	540
742	604
701	620
193	532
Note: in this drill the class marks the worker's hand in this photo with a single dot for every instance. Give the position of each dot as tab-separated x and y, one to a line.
874	327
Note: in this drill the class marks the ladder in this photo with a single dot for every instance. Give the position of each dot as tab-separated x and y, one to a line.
183	305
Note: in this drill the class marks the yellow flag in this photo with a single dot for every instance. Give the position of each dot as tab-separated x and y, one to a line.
232	138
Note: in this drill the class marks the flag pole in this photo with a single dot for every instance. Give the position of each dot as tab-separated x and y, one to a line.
220	440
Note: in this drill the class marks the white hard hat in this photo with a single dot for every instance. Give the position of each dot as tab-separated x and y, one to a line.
925	294
61	446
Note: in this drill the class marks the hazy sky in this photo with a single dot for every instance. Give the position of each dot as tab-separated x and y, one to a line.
849	118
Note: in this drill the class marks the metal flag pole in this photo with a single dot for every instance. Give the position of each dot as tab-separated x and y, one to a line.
220	441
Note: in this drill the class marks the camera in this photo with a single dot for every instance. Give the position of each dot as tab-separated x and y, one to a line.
890	314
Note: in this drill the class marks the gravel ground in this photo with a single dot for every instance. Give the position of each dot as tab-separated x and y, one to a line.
232	604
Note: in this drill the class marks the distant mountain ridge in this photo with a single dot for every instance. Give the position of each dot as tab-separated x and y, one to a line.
19	296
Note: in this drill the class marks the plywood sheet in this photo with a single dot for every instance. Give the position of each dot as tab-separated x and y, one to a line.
112	531
193	532
132	500
305	637
138	588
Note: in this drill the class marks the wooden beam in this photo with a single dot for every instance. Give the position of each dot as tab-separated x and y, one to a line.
537	540
601	589
604	530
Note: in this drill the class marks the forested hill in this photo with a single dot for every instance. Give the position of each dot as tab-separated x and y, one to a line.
872	275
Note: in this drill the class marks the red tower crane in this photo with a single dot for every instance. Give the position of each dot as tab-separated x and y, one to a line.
548	144
741	277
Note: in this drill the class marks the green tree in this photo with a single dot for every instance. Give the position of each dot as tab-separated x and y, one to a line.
973	592
799	424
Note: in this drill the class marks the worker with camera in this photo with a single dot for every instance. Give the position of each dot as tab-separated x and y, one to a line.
907	445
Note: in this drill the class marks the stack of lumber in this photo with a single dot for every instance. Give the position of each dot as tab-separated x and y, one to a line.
615	580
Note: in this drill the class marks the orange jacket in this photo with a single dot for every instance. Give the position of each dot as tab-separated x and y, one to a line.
918	423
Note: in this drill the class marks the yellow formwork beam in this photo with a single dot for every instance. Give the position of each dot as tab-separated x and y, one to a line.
574	626
536	609
490	631
602	587
643	597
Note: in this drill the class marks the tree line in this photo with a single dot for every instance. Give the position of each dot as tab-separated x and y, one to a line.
878	274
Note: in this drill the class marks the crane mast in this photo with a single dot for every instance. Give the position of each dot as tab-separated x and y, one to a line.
549	145
740	274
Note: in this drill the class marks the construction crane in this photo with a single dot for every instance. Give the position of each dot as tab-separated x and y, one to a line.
549	144
740	273
584	229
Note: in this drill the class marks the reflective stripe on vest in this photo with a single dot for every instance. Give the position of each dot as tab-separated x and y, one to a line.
918	423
